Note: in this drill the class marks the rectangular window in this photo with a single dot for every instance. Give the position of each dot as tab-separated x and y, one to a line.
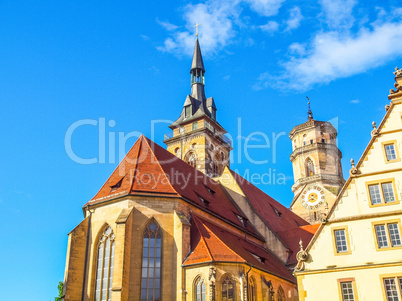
311	141
323	140
347	291
393	288
375	194
195	126
394	235
388	192
382	240
382	192
187	111
340	238
390	152
388	235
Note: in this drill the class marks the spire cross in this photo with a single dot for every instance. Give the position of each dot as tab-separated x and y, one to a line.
196	28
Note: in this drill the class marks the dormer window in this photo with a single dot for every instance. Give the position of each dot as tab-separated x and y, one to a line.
187	111
213	114
210	190
204	201
242	219
117	185
259	258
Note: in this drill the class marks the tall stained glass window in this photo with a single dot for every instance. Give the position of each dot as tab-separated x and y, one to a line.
104	270
151	263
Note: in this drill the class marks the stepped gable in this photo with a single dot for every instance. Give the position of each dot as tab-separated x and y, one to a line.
287	225
210	241
150	169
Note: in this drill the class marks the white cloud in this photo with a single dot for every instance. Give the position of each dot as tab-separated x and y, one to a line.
297	49
335	56
144	37
270	27
215	31
295	18
168	26
338	13
265	8
355	101
217	19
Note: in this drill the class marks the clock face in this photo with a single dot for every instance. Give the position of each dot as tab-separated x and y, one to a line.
313	197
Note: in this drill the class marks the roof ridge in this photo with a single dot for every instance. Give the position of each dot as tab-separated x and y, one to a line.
157	161
110	176
196	220
136	164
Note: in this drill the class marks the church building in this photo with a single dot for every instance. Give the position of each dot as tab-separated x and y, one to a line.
179	224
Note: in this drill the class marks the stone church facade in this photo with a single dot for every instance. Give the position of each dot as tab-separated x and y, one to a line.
179	224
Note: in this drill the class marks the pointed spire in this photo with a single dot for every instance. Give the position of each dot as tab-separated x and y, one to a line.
197	58
309	112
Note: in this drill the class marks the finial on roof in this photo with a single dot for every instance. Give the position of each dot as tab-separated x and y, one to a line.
398	72
352	162
301	244
196	29
309	112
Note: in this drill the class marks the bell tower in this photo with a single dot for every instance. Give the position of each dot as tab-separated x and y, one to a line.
317	168
197	137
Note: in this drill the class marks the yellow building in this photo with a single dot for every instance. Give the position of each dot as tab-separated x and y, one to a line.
356	254
161	228
317	168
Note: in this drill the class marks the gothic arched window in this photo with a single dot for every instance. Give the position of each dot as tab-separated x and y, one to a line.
215	168
228	289
192	160
253	292
151	263
104	270
281	294
309	168
199	289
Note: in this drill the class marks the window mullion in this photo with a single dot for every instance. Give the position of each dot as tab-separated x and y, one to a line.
108	270
103	264
154	259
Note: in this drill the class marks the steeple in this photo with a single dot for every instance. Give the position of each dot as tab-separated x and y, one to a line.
309	112
197	136
197	74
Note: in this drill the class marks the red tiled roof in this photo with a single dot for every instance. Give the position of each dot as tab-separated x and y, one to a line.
209	243
150	169
287	225
311	228
139	171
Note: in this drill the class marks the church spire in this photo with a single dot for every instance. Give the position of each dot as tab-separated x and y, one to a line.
197	74
309	112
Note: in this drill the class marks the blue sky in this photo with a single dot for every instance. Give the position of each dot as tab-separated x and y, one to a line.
127	63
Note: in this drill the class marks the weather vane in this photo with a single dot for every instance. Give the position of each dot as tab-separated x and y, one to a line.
196	28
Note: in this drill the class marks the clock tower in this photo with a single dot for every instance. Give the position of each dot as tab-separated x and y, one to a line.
317	168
